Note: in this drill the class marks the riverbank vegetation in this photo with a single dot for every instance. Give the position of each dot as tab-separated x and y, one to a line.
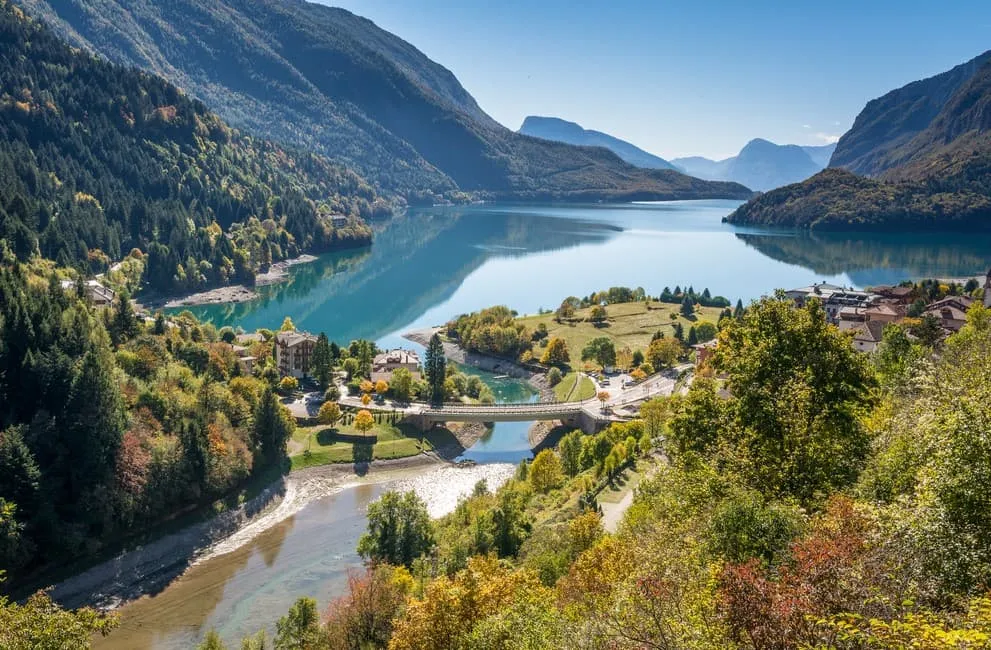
98	160
110	424
824	498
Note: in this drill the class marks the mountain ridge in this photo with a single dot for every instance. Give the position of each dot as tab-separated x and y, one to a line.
555	128
761	164
932	172
325	79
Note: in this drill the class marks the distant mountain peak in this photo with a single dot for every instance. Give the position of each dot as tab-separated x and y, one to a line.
760	165
560	130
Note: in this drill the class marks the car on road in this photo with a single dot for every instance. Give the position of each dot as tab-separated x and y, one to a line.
605	381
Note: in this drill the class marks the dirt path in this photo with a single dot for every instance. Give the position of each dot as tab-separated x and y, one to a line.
612	513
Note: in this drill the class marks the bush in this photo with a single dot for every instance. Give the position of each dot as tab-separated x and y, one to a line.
554	376
288	384
332	394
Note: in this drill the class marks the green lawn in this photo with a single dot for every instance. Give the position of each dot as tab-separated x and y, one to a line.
566	390
630	325
342	443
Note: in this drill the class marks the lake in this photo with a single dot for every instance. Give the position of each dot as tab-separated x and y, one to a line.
430	265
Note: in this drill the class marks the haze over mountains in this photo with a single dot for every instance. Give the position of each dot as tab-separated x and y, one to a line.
924	152
761	165
554	128
333	82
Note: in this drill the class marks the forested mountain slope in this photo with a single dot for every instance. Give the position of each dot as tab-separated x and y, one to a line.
887	123
96	159
324	78
934	172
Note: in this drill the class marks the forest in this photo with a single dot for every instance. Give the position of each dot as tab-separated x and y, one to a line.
800	495
110	424
98	159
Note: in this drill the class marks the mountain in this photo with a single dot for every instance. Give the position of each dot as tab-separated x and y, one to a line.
760	165
887	125
702	167
325	79
553	128
931	172
820	154
835	199
96	159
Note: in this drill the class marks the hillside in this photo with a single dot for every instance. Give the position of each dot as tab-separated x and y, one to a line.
97	159
553	128
931	176
835	199
877	141
760	165
326	79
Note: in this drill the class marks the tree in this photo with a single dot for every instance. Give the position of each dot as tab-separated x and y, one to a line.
662	353
287	325
687	307
602	350
125	324
679	331
927	330
288	384
435	368
556	353
366	386
637	358
381	387
300	628
364	421
799	389
329	413
554	376
211	641
322	361
274	425
571	449
42	624
545	471
705	331
363	617
401	384
603	396
738	310
598	315
366	399
399	529
655	414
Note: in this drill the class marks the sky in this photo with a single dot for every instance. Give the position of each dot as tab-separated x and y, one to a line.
688	78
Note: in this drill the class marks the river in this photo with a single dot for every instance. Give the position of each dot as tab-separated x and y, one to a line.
431	264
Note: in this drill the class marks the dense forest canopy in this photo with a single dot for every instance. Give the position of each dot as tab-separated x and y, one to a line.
96	159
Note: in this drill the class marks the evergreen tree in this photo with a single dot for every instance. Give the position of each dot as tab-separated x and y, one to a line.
738	312
321	362
687	306
693	337
274	425
435	367
679	331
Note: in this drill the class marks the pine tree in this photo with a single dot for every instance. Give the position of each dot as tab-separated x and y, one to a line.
321	362
273	426
435	367
693	337
687	306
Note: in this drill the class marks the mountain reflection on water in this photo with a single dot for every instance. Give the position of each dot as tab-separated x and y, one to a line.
417	260
878	258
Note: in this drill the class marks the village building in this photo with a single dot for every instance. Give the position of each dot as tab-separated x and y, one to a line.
388	362
867	336
338	220
96	293
248	338
833	298
245	360
704	352
293	351
950	311
899	295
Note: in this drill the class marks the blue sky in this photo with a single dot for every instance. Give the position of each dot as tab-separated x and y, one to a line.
688	78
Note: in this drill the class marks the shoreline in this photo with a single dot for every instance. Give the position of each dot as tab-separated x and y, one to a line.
488	363
149	569
230	294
